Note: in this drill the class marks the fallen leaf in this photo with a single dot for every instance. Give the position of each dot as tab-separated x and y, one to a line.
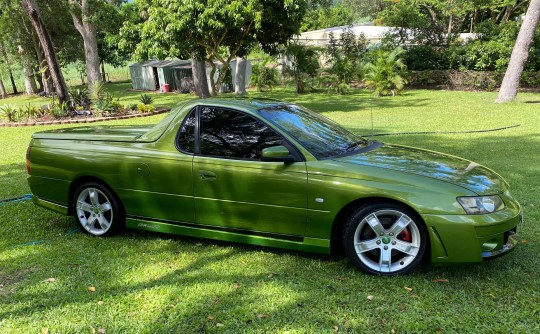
100	302
408	289
370	297
219	324
524	241
198	244
335	328
45	330
92	288
270	275
341	278
210	317
50	280
440	280
101	331
260	316
236	286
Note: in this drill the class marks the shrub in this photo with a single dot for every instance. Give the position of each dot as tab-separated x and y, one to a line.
345	55
28	111
117	106
146	99
10	112
302	63
144	108
385	74
80	98
132	106
263	76
59	110
333	84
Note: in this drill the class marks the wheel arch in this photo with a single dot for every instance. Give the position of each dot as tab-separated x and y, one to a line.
336	240
79	181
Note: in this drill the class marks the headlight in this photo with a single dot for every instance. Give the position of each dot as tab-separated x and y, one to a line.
481	205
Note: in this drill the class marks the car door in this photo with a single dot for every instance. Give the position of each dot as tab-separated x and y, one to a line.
233	188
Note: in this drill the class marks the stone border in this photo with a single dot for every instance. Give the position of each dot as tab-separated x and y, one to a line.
85	120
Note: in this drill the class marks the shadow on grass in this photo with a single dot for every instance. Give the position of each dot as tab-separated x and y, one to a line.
13	181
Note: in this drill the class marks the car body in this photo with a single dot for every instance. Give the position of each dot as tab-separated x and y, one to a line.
275	174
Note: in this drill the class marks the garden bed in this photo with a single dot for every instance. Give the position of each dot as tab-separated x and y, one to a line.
76	119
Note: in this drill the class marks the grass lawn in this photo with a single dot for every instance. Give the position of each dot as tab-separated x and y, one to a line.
154	283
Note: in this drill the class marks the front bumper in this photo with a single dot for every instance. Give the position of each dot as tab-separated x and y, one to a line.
459	239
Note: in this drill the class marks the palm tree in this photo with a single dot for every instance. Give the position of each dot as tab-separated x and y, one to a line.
385	74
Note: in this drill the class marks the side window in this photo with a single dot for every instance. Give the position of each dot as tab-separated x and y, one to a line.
186	136
234	134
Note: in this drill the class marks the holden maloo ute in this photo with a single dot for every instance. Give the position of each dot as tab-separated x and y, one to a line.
275	174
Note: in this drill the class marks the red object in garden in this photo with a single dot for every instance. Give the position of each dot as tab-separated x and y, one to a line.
165	88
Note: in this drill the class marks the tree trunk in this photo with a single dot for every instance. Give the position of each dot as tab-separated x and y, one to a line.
520	53
3	90
103	74
213	88
48	49
46	74
8	65
29	79
13	85
200	82
240	76
44	81
85	27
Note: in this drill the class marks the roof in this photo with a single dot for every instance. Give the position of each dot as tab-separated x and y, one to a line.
162	63
322	36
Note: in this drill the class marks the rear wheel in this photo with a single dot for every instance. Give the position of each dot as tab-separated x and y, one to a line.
97	210
385	239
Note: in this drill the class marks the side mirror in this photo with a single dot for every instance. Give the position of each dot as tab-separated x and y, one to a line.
277	153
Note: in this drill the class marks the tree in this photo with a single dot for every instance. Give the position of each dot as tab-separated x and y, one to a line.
81	14
520	54
3	89
211	31
302	62
385	73
48	49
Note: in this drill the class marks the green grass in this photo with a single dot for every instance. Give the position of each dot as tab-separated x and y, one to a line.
153	283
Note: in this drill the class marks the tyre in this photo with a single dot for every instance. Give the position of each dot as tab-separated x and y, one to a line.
97	210
385	239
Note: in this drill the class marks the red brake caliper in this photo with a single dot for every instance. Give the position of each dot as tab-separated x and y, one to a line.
405	235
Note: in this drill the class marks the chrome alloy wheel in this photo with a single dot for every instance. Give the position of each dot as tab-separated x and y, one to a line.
387	241
94	211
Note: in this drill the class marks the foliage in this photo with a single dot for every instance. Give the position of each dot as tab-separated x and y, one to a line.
59	110
345	55
10	112
144	108
326	14
215	31
385	73
29	111
80	97
102	100
426	57
264	75
301	62
146	99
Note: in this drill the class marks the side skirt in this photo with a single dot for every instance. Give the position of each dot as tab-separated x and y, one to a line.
219	233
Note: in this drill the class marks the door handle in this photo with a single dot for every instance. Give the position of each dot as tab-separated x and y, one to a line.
207	175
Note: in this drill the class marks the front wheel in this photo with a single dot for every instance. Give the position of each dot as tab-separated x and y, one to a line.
97	210
385	239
